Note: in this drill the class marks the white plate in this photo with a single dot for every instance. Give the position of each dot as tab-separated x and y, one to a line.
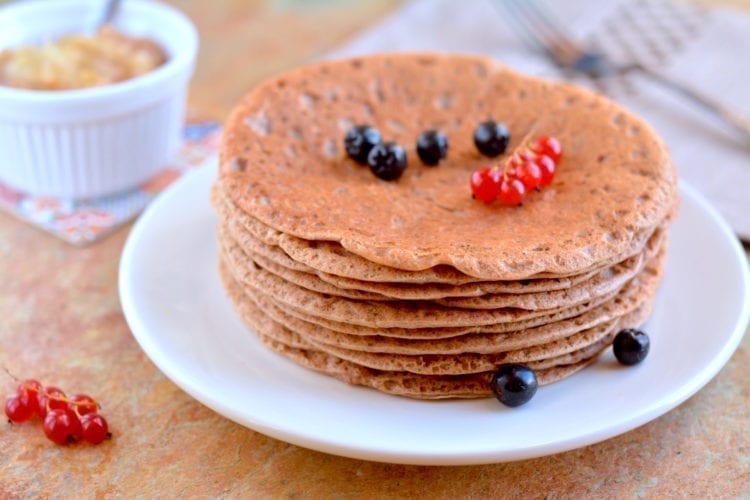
178	312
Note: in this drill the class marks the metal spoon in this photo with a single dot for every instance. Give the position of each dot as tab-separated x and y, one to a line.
112	7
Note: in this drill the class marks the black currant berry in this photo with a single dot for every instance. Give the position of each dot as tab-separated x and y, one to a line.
359	141
631	346
432	146
491	138
387	161
513	384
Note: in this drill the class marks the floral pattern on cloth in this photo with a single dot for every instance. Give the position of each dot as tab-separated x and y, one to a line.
80	222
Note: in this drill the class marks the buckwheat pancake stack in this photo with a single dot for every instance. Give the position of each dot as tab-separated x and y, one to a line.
412	287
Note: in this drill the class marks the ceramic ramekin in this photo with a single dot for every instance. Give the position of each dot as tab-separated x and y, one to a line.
97	141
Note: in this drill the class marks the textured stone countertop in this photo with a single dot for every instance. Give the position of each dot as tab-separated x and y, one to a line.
62	323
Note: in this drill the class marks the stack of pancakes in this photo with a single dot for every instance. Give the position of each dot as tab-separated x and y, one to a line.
412	287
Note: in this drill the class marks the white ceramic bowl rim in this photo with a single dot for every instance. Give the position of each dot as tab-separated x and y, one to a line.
177	63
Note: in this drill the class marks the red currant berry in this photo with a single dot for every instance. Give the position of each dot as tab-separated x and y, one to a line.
549	146
94	428
530	174
17	409
51	398
547	168
62	426
512	191
29	386
83	404
29	390
485	185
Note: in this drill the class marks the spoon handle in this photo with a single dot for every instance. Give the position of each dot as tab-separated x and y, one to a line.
111	11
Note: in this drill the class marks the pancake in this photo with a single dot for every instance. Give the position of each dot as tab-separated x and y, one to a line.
412	287
280	165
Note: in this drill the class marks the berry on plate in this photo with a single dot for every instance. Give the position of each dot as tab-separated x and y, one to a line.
631	346
514	384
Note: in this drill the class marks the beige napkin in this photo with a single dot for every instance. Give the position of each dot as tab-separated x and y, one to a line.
706	49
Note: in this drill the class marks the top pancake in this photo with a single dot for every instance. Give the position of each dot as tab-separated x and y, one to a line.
282	163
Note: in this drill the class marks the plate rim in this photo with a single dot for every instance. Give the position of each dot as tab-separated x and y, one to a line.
452	457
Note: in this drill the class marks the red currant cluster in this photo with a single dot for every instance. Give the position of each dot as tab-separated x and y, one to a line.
531	166
66	420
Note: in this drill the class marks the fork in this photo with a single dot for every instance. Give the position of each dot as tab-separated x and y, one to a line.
536	26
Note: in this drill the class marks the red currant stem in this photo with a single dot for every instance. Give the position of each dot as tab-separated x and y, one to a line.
516	153
68	400
81	403
526	141
505	171
15	379
49	396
